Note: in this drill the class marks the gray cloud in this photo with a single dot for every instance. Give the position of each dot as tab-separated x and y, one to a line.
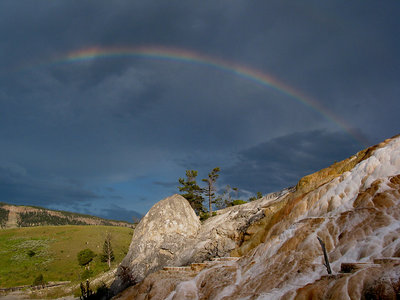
17	186
282	161
135	124
119	213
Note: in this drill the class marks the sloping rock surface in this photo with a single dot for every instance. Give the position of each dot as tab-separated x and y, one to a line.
158	240
171	235
220	235
353	206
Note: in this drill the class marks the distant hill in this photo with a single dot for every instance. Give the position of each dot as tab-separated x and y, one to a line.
12	216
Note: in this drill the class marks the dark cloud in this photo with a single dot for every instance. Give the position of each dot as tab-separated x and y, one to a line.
124	128
282	161
119	213
17	186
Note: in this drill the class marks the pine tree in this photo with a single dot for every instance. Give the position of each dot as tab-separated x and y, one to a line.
191	191
210	189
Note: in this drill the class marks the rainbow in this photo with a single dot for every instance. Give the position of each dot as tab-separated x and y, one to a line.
181	55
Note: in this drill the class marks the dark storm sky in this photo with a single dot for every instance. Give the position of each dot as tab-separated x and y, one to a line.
112	135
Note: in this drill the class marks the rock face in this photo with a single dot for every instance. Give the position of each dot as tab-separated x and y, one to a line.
171	235
158	240
221	234
353	206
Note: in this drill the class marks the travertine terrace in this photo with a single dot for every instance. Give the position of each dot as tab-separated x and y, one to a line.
353	206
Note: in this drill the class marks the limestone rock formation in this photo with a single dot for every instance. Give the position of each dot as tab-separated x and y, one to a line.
158	240
220	235
353	206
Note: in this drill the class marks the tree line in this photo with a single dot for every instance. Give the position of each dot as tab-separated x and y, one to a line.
41	218
3	217
203	199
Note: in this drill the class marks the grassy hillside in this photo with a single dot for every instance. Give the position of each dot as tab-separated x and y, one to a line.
52	251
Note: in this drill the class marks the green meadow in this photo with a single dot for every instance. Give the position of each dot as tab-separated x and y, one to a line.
25	253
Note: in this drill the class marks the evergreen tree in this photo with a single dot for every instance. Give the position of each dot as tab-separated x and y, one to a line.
191	191
210	189
108	254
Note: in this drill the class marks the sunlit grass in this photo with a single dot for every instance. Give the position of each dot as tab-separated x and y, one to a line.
52	251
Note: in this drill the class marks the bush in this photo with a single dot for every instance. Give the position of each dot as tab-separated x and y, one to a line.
39	280
31	253
86	274
238	202
85	256
204	216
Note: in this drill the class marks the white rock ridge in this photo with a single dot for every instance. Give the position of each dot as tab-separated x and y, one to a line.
158	240
356	214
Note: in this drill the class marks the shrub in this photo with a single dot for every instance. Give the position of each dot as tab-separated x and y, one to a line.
238	202
31	253
86	274
39	280
204	216
85	256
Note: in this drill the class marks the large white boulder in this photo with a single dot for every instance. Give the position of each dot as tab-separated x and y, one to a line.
158	240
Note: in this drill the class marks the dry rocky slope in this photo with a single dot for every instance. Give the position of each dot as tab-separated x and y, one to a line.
353	206
26	216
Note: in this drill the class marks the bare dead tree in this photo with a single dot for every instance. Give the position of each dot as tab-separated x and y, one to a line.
327	265
108	254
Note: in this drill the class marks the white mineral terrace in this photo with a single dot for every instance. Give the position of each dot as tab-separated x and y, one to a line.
295	250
